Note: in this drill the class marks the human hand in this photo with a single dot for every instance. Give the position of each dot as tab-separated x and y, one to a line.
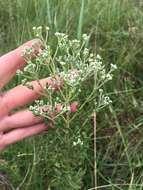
21	124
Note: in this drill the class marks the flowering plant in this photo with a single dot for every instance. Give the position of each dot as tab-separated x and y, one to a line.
76	91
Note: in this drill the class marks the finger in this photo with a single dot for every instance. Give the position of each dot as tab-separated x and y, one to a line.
27	118
20	119
74	107
22	95
12	61
20	134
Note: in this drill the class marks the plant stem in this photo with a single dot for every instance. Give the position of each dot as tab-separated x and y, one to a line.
80	23
95	148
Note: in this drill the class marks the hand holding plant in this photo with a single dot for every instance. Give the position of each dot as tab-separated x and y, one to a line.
22	124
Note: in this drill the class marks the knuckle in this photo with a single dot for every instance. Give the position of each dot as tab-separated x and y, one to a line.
3	104
5	123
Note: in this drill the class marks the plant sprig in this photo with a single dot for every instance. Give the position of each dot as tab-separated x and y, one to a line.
81	75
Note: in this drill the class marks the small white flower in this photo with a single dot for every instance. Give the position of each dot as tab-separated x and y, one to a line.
85	52
91	55
100	90
85	37
74	143
39	27
90	60
107	100
75	41
68	108
98	57
19	72
79	90
78	142
24	81
37	35
47	28
114	67
109	76
62	63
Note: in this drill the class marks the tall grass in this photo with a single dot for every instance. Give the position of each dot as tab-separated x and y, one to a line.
116	33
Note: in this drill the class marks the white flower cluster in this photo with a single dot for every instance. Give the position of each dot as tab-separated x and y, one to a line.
48	109
71	77
30	67
102	100
78	142
73	63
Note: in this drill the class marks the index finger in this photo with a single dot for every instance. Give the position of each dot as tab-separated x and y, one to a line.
13	60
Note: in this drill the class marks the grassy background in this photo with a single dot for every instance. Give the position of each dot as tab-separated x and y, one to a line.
116	28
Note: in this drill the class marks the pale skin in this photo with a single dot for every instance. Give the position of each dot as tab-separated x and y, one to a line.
19	125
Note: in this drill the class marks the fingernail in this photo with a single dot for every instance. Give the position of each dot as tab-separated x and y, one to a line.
73	107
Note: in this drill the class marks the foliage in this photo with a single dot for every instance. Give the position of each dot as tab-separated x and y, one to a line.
72	68
115	27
